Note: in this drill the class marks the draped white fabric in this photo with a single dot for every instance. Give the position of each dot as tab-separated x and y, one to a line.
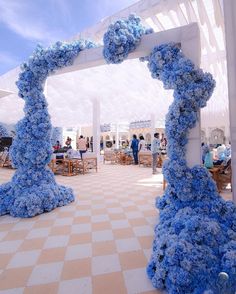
127	92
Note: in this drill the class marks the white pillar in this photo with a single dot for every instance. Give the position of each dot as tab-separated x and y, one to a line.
117	136
230	38
96	128
153	129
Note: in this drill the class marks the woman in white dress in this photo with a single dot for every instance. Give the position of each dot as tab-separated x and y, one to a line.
141	144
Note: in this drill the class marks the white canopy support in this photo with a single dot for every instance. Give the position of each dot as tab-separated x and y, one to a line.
117	136
230	28
153	125
96	128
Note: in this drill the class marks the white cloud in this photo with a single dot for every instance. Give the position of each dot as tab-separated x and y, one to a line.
24	21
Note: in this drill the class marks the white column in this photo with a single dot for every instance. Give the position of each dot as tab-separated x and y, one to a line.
96	128
230	38
153	129
117	136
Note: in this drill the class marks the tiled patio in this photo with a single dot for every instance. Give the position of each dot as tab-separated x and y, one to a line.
99	244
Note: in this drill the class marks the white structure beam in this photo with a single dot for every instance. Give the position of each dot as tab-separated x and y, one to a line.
96	128
153	120
189	38
230	28
117	136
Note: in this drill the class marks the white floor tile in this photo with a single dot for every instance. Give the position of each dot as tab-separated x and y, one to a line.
64	221
76	286
125	245
99	218
78	251
45	273
25	258
105	264
38	233
143	231
13	291
105	235
10	246
120	224
136	281
134	214
27	225
81	228
56	241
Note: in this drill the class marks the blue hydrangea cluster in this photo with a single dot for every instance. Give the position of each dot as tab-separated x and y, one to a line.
3	131
195	238
33	189
123	37
56	135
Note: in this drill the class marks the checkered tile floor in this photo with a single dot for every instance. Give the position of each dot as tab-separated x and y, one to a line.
99	244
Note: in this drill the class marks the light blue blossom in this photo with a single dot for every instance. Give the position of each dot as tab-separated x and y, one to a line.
33	189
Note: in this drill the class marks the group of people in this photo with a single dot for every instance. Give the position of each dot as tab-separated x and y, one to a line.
139	145
216	156
81	146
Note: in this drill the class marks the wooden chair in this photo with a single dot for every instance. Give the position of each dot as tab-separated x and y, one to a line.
225	176
109	155
145	158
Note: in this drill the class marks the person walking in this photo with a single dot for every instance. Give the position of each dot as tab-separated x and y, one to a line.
155	148
82	146
134	147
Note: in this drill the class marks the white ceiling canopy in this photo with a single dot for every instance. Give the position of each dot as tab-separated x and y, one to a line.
126	91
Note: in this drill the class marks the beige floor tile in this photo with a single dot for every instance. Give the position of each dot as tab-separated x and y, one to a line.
101	226
123	233
60	230
42	289
80	238
138	222
31	244
82	219
43	224
117	216
4	260
52	255
14	278
146	241
103	248
16	235
75	269
131	260
112	283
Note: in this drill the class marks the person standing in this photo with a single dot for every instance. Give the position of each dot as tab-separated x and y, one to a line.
142	144
82	146
155	148
134	147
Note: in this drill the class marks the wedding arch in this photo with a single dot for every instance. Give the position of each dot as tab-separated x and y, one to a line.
195	238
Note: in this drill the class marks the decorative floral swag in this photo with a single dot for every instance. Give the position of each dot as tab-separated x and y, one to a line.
195	238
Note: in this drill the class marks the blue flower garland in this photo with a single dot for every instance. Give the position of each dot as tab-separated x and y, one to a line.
195	238
33	189
122	38
3	131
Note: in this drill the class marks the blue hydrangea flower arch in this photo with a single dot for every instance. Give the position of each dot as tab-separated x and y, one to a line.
195	238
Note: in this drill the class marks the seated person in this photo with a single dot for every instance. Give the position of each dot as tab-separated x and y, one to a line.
220	157
71	153
57	146
208	160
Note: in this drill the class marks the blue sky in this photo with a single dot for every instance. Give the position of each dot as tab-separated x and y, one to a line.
25	23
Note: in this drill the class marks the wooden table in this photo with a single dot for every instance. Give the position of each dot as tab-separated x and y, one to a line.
215	171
